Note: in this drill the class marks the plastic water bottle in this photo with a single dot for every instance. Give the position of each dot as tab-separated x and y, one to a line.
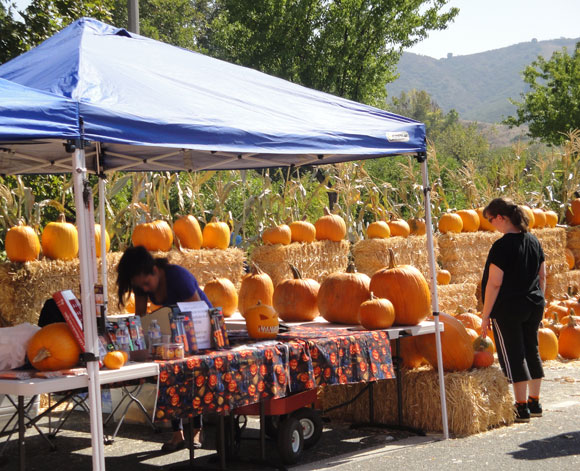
154	334
122	334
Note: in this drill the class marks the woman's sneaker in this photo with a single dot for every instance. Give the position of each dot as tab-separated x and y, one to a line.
522	412
535	408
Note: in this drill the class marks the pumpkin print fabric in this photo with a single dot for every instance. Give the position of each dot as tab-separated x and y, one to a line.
306	357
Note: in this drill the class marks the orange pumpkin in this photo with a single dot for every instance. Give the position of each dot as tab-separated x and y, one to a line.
551	218
53	348
473	335
417	226
529	214
539	218
409	353
115	359
222	292
482	359
470	220
60	240
262	322
481	343
98	240
547	344
216	235
570	259
569	341
154	236
188	232
484	224
22	244
468	319
341	294
450	222
256	286
573	212
130	304
277	235
553	308
378	230
376	313
302	231
296	300
443	277
406	288
330	227
456	346
399	228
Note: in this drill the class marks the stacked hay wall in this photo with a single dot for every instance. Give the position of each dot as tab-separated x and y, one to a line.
314	260
477	400
559	278
458	296
371	255
24	287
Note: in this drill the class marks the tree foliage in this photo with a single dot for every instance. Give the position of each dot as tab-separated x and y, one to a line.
552	106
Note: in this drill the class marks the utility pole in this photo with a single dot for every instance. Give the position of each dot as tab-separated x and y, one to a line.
133	7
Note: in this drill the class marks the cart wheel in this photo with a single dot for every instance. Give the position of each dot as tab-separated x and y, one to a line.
311	425
290	440
272	424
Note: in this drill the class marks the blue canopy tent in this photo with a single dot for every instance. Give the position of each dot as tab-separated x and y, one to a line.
143	105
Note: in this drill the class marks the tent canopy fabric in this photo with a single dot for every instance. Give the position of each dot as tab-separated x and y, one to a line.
153	106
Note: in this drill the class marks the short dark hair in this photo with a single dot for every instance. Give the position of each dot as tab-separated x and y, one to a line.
506	207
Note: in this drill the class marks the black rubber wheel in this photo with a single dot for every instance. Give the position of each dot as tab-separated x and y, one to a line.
311	425
290	440
272	424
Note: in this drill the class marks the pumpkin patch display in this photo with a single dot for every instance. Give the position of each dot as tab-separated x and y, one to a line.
98	240
378	230
399	228
154	236
330	227
569	340
302	231
296	300
188	232
406	288
216	235
470	220
376	313
22	244
221	292
277	235
341	294
547	344
262	322
53	348
450	222
60	240
256	286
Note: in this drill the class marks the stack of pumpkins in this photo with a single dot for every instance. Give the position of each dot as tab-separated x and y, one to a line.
560	330
396	228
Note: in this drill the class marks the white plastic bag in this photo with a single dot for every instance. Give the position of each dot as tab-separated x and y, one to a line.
13	344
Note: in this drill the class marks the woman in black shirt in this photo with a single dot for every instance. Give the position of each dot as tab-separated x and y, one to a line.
513	286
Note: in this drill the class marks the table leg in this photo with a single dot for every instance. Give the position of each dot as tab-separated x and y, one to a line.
397	365
191	448
262	432
21	431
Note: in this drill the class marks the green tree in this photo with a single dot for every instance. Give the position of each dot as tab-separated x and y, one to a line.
552	106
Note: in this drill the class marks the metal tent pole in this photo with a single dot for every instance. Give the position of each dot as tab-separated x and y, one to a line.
102	220
434	297
87	260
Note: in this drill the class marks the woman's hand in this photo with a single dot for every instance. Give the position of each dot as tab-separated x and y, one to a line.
485	325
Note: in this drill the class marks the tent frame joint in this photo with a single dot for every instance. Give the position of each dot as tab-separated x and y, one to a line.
421	157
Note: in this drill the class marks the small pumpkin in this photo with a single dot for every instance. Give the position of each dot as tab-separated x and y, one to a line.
98	240
256	286
553	308
481	343
399	228
482	359
443	277
417	226
53	348
60	240
468	319
570	259
154	236
262	322
302	231
450	223
539	218
551	218
378	230
22	244
330	227
216	235
376	313
406	288
484	224
277	235
569	340
529	214
573	212
115	359
130	304
547	344
470	220
341	294
296	300
188	232
222	292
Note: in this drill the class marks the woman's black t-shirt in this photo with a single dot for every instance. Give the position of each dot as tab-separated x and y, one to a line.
519	256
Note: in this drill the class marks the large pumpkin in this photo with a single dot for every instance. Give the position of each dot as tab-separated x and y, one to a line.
188	232
296	300
22	244
216	235
277	235
154	236
468	319
376	313
456	346
222	292
60	240
399	227
484	224
53	348
547	344
330	227
98	240
262	322
378	230
470	220
406	288
450	222
302	231
573	212
341	294
569	340
256	286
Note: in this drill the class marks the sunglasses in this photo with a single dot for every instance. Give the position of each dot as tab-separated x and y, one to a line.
491	218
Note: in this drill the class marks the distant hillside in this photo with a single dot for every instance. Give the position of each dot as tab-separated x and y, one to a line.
477	85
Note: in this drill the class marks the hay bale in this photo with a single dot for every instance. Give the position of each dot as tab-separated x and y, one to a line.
371	255
315	260
553	242
559	285
458	295
477	400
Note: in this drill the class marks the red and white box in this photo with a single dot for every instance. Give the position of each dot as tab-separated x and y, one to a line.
71	309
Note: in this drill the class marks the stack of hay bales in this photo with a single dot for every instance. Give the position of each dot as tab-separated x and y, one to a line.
477	400
559	284
558	275
24	287
314	260
457	297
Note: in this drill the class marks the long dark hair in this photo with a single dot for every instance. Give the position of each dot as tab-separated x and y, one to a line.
507	208
135	261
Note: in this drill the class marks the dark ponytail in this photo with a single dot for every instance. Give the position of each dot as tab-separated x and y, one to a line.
507	208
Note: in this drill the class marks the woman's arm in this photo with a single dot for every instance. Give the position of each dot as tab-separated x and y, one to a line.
494	282
140	305
194	297
543	277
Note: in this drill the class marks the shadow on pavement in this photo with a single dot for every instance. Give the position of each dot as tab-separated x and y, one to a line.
565	444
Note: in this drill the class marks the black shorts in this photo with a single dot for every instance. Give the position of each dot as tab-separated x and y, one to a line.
516	341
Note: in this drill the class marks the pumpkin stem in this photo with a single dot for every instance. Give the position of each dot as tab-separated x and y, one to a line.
61	217
256	270
392	263
351	268
372	296
295	272
327	212
41	355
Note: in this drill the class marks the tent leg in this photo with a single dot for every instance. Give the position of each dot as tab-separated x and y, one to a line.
434	297
87	259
